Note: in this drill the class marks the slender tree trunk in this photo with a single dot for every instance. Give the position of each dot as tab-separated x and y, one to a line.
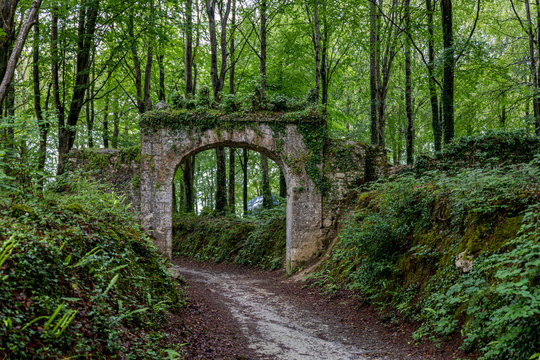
188	52
90	115
210	11
221	180
188	167
116	123
325	76
532	63
266	192
149	61
232	182
87	25
43	125
262	56
447	98
58	103
197	43
373	49
435	119
161	65
89	124
136	65
408	87
8	25
232	69
245	180
148	79
537	97
106	123
9	71
218	78
316	24
282	185
224	52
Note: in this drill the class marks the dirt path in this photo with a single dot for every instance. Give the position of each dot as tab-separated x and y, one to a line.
247	314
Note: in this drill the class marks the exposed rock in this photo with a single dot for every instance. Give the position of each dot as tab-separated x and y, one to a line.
161	106
464	262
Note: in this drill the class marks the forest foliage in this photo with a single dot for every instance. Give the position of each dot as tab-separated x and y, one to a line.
79	277
455	249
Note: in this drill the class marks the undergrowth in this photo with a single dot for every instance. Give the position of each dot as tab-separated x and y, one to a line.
254	241
79	278
453	251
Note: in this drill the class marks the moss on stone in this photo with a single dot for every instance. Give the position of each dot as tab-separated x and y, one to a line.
215	119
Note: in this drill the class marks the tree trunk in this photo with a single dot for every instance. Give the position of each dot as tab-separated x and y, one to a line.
42	124
408	87
149	61
89	124
447	97
136	65
197	43
232	182
282	185
317	44
325	76
224	52
58	104
435	119
148	79
90	111
532	63
221	180
116	123
210	11
245	181
537	97
161	65
217	78
7	74
189	165
262	57
373	49
232	70
188	52
106	123
266	192
88	14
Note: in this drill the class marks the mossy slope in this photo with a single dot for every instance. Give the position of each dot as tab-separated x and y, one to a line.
455	252
79	278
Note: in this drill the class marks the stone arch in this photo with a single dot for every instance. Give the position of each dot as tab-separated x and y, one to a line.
164	149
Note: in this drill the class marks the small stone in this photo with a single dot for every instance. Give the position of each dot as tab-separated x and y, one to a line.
161	106
464	262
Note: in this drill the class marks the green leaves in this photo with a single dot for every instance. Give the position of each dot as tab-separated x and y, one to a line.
76	281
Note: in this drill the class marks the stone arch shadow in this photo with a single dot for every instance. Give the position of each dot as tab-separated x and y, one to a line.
163	150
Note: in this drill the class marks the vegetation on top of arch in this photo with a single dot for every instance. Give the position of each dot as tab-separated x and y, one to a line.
201	120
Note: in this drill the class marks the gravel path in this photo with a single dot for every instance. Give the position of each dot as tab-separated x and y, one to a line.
239	313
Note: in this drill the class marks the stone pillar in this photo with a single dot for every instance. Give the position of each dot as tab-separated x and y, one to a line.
156	194
304	233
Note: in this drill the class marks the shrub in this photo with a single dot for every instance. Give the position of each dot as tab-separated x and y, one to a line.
255	241
230	103
79	278
203	97
493	146
177	100
401	245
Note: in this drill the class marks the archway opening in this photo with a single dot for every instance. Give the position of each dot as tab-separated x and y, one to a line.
229	205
